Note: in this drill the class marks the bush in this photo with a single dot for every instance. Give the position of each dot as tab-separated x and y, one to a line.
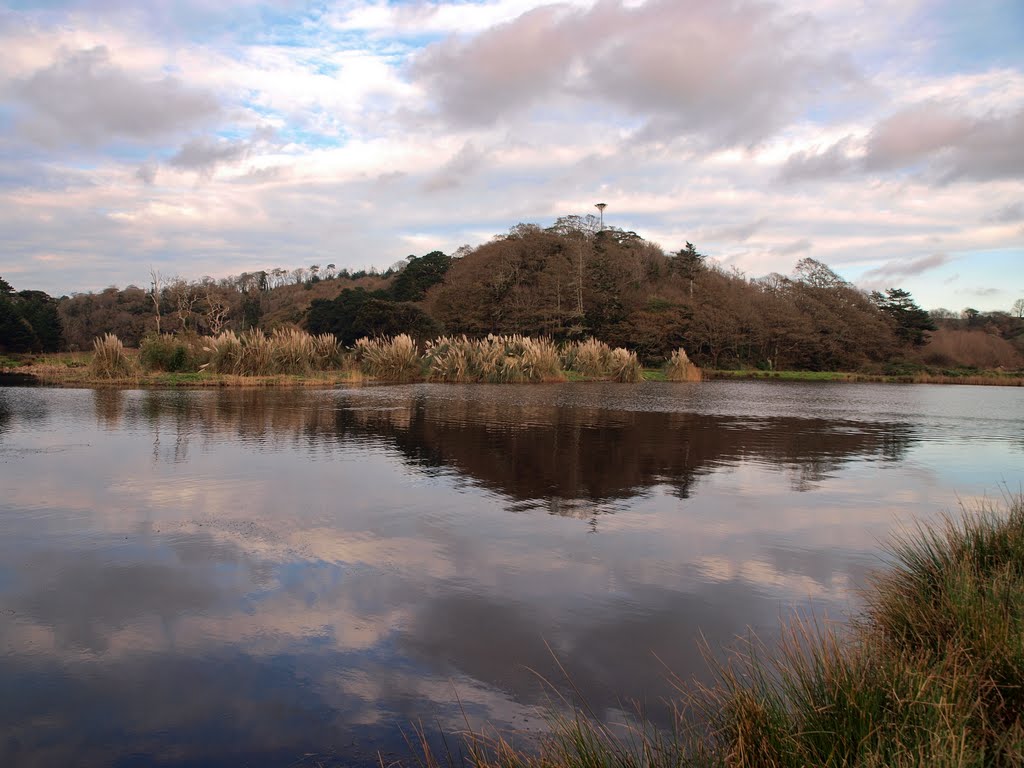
162	352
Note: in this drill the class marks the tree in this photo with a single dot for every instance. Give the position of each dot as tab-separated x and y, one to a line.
156	293
184	297
419	275
15	333
39	310
217	309
1018	308
911	322
812	272
5	287
688	263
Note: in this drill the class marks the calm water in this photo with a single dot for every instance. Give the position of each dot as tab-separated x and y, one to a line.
289	577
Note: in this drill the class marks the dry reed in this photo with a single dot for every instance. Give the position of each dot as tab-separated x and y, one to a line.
109	359
494	359
624	366
680	368
590	358
395	359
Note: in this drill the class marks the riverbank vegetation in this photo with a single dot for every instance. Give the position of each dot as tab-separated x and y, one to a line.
931	673
294	356
568	282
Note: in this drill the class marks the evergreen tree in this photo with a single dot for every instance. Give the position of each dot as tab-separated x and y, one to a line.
911	322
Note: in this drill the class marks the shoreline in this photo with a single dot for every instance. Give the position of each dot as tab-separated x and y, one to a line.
49	375
73	370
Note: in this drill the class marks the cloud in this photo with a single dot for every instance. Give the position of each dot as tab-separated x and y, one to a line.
1008	214
912	134
955	144
734	233
84	99
902	268
451	175
944	143
204	154
727	72
797	246
807	164
146	173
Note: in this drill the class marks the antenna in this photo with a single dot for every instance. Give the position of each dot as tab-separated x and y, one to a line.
601	207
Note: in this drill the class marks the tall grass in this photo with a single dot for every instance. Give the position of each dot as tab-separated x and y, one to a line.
680	368
292	352
932	674
494	359
288	351
395	359
110	360
594	359
588	358
328	354
624	366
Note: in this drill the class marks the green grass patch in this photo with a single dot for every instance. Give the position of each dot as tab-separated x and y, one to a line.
793	375
655	374
179	379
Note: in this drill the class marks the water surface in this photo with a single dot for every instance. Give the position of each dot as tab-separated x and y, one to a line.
254	577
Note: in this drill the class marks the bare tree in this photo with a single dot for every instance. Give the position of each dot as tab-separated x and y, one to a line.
184	297
156	292
1018	308
217	309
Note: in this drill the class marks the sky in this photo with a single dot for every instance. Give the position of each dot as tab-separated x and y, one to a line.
882	137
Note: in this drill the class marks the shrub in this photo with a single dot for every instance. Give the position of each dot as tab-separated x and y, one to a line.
162	352
680	368
109	359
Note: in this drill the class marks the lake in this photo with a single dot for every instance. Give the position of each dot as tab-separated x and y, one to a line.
295	577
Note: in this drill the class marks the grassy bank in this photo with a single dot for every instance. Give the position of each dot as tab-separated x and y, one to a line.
989	378
295	358
931	674
73	370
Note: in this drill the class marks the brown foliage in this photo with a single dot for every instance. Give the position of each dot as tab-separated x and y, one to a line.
972	349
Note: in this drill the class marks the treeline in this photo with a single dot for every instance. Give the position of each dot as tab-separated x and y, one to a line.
572	281
29	321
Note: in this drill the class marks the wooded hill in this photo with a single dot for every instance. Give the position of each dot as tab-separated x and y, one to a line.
570	281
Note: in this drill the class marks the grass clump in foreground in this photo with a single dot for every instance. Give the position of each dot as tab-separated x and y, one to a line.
931	674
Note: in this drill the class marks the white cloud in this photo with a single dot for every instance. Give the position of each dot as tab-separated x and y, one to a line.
343	135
